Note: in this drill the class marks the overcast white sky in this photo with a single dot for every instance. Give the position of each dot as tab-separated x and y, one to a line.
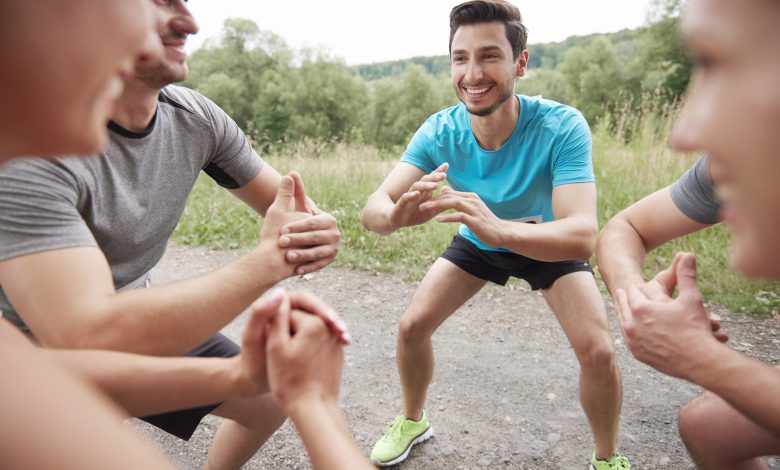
365	31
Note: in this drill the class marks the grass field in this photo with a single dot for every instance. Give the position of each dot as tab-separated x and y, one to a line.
631	160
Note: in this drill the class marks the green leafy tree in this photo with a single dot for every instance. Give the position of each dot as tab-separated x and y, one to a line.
592	76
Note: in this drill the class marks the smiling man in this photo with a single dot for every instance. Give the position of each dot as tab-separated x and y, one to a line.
522	188
90	230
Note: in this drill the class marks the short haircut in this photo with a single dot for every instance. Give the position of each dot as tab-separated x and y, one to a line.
487	11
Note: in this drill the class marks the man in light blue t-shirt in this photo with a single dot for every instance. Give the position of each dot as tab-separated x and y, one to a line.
522	188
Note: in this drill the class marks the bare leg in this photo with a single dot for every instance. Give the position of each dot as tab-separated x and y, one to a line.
442	291
580	310
719	437
250	422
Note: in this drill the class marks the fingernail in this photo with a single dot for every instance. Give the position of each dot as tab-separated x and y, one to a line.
341	325
301	271
285	230
346	337
284	241
330	315
424	206
292	256
275	294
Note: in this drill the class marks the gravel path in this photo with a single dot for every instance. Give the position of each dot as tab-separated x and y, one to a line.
505	390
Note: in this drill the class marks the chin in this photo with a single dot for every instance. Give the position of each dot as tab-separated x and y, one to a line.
749	259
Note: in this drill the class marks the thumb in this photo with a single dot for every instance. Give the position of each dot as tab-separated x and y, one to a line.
284	194
686	277
279	335
261	311
299	192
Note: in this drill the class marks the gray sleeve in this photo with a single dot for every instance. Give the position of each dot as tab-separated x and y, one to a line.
694	194
234	162
38	212
39	209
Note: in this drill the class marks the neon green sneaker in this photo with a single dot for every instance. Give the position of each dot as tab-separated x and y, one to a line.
616	462
401	435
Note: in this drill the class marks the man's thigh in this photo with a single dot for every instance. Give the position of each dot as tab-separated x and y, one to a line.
579	307
441	292
183	423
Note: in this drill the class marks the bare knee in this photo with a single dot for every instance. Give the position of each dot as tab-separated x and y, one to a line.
597	355
261	412
412	330
695	422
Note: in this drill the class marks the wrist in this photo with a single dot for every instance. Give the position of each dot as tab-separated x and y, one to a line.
269	259
302	405
241	380
707	355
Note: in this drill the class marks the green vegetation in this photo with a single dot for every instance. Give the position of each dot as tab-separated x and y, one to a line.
625	170
344	128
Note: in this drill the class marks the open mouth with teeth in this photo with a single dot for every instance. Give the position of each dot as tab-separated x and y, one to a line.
477	92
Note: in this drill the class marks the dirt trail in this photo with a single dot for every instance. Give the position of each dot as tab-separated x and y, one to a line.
505	389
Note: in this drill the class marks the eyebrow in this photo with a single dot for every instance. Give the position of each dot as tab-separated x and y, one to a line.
493	47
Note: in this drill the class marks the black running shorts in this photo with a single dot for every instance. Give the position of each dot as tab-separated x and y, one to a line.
497	266
183	423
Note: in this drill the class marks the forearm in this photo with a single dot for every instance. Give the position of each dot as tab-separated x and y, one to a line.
559	240
326	437
81	429
173	319
144	385
620	253
375	216
748	385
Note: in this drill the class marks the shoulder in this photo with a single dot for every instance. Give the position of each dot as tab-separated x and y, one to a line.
451	121
189	101
65	170
551	114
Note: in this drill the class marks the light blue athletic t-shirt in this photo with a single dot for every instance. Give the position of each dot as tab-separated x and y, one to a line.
550	146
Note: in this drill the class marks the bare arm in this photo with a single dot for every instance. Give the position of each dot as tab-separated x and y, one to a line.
572	235
304	371
397	202
35	391
635	231
145	385
674	335
68	300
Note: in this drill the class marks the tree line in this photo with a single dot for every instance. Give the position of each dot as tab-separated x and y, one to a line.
277	94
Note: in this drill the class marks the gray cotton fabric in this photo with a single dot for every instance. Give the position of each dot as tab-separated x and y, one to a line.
127	200
694	193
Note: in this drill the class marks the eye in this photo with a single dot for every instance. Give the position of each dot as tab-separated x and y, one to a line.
458	59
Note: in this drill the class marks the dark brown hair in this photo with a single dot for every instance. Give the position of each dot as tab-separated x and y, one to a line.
486	11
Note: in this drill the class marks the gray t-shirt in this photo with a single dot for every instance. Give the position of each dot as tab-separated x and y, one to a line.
694	193
127	200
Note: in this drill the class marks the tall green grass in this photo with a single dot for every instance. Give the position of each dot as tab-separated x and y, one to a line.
631	159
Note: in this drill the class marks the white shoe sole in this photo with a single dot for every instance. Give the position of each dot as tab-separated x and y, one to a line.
421	438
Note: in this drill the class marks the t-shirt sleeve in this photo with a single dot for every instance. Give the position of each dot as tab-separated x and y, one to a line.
694	194
572	158
418	151
39	209
234	162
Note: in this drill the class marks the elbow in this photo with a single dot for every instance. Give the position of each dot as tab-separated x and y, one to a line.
364	218
586	245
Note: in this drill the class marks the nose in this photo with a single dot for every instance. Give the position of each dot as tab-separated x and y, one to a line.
473	72
691	123
184	22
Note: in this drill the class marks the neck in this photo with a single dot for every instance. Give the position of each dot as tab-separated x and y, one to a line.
136	107
493	130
